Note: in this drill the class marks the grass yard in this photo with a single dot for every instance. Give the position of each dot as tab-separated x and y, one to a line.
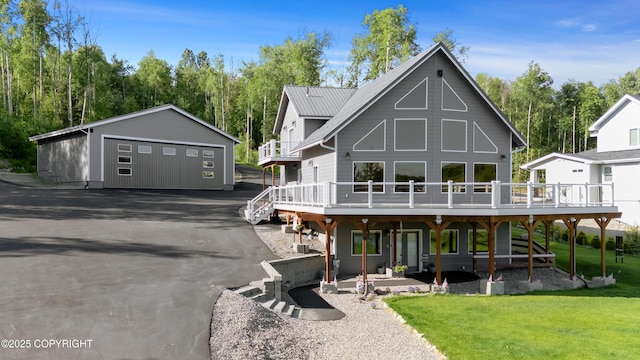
601	323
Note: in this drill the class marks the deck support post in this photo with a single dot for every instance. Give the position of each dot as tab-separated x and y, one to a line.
491	225
530	225
571	224
438	226
602	223
327	225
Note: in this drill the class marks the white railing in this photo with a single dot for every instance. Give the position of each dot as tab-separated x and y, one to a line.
277	149
259	205
493	195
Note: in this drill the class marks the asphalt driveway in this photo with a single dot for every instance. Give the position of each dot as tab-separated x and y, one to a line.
115	274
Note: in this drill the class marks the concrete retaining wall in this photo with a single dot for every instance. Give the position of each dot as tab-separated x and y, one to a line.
298	270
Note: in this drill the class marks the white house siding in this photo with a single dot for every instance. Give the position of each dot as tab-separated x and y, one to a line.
615	135
63	160
627	192
319	157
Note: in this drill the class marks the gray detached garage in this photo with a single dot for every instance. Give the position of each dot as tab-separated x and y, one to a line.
159	148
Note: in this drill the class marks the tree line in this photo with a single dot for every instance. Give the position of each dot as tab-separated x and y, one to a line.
54	74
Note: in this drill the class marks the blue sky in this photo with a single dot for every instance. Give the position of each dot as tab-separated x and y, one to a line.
583	40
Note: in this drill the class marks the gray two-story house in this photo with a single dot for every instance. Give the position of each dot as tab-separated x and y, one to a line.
414	167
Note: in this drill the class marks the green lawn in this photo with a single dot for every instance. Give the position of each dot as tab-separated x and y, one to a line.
599	323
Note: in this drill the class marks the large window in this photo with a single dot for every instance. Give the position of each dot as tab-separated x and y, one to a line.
482	241
406	171
365	171
411	134
483	173
455	172
374	243
448	242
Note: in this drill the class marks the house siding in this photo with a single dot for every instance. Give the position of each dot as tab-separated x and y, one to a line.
477	113
352	264
64	159
615	135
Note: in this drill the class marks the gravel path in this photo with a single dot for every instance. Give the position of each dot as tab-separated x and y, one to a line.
243	329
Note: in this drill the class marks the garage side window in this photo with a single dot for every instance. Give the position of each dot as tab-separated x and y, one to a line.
207	174
144	149
123	159
192	152
124	147
124	171
207	164
169	151
208	153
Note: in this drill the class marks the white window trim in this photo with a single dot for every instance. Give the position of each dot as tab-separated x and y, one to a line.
205	164
370	232
442	135
395	106
210	154
425	176
395	134
466	108
124	146
121	168
604	174
446	253
474	175
465	175
191	152
208	177
168	151
476	126
125	162
383	177
383	123
141	147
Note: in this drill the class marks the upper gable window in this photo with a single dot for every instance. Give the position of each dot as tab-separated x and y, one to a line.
374	140
411	134
481	141
454	135
450	99
634	137
416	98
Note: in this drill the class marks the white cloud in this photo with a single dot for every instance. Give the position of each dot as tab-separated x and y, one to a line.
589	27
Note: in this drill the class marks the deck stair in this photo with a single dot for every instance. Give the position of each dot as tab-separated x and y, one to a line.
255	293
260	207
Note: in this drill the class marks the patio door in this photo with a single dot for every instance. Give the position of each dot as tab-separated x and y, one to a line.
407	249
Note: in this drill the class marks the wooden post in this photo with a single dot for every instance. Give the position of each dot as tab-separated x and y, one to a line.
264	181
547	226
603	222
491	226
530	225
438	226
327	225
273	175
572	223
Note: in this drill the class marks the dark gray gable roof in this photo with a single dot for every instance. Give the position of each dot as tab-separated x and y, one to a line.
85	127
609	156
312	102
371	92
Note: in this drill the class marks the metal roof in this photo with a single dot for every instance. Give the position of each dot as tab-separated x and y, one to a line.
312	102
85	127
588	157
371	92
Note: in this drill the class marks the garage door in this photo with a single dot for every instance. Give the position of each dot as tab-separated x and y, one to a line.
151	165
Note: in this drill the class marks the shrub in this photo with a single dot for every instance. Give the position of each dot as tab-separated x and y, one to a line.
581	238
611	244
595	242
565	236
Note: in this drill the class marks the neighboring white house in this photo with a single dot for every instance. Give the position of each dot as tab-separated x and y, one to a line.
615	160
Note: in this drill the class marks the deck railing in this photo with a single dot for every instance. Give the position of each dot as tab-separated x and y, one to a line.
277	149
492	195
